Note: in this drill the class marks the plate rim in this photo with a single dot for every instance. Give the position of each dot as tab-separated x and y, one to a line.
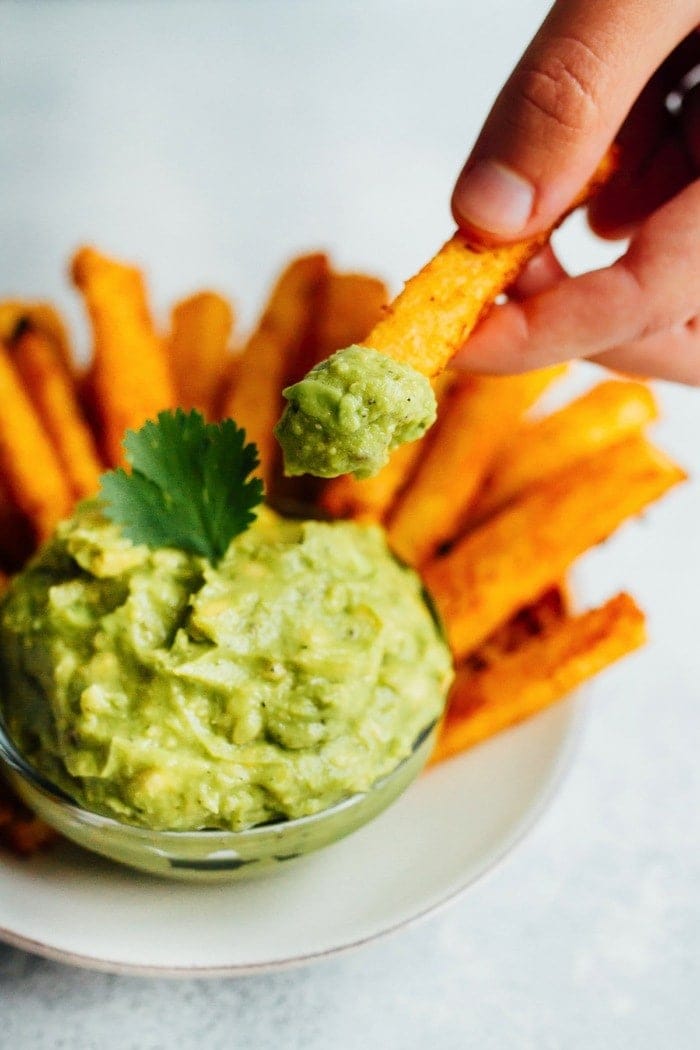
557	776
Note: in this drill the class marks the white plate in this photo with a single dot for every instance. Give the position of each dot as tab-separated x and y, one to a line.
453	825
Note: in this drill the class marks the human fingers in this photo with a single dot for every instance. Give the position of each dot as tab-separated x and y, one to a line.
559	111
653	288
653	154
632	196
673	355
542	272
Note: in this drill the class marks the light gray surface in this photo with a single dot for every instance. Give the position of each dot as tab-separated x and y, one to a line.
210	141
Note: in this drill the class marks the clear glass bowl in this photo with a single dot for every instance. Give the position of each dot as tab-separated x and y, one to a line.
208	856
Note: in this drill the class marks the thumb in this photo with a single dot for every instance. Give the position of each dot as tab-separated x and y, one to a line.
559	111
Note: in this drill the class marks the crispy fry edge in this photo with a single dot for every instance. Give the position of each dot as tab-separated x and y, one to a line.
538	674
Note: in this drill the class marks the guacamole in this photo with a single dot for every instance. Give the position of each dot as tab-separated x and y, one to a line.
350	411
166	692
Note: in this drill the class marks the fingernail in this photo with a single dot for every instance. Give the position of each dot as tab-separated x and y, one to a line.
493	198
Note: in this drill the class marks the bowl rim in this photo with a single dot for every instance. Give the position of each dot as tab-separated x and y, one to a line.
12	757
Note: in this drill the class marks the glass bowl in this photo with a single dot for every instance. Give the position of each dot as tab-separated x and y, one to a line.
208	855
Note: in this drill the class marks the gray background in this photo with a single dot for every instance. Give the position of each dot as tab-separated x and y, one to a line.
209	141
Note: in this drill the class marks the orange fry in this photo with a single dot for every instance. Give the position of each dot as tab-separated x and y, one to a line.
29	465
52	391
608	413
27	834
538	674
255	398
200	333
20	830
478	419
368	499
350	304
514	556
16	314
438	308
526	623
129	374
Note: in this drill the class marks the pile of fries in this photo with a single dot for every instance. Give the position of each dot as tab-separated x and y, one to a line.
491	506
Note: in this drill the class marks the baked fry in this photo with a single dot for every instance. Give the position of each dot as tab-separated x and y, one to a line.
515	555
537	674
198	345
129	374
29	464
349	306
608	413
368	499
17	314
52	392
528	622
255	398
20	830
476	422
371	499
438	308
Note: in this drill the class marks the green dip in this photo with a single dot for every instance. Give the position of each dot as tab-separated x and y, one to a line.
166	692
350	411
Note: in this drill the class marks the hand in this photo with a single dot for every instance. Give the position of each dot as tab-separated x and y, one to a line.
616	68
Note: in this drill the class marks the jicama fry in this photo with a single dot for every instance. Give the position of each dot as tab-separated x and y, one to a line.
526	623
29	465
538	674
514	556
200	332
438	308
608	413
16	314
371	499
27	834
228	383
476	422
20	830
255	398
368	499
52	391
350	304
130	374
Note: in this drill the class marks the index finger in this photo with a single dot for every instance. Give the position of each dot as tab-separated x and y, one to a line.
652	288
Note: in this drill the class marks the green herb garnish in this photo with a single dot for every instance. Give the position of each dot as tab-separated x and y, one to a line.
189	485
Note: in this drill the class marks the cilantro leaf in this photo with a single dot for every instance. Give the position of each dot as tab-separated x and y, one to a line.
189	486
